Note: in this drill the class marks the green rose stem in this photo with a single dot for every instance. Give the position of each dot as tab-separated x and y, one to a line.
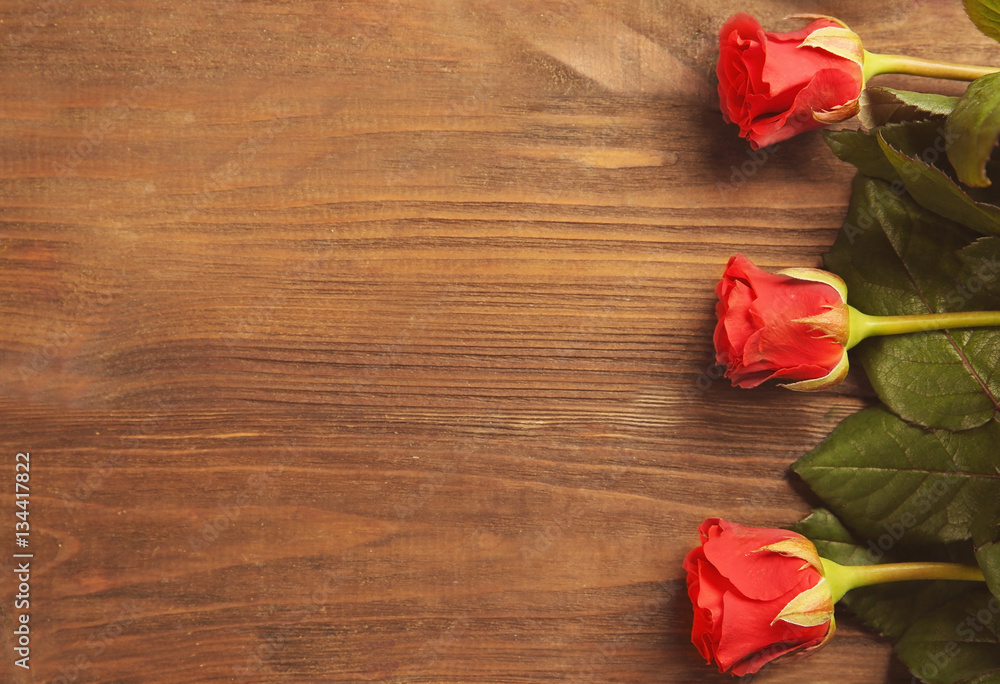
843	578
862	325
875	64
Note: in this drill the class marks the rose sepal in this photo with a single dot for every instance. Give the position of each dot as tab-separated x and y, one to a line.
812	608
814	17
818	275
839	113
837	40
796	547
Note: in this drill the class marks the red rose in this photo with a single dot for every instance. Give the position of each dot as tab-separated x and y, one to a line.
776	85
764	329
758	594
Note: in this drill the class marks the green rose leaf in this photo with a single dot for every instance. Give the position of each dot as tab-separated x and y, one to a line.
933	188
861	150
833	540
899	485
898	258
988	557
913	156
973	128
880	106
920	139
986	536
982	260
957	642
985	14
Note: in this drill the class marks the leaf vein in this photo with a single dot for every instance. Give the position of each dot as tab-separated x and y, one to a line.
927	471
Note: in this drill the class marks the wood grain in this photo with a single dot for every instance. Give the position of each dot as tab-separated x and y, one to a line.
372	341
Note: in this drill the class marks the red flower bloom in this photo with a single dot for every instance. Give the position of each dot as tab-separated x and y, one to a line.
758	594
764	329
776	85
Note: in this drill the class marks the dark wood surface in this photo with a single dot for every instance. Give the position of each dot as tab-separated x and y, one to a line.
367	341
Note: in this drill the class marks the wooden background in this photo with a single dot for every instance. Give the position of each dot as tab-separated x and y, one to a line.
371	341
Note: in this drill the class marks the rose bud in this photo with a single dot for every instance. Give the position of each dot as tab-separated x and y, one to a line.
758	594
792	325
776	85
796	325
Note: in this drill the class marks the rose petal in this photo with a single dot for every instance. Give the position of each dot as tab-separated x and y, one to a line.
790	67
754	377
739	321
753	663
747	633
782	342
763	575
827	89
706	588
